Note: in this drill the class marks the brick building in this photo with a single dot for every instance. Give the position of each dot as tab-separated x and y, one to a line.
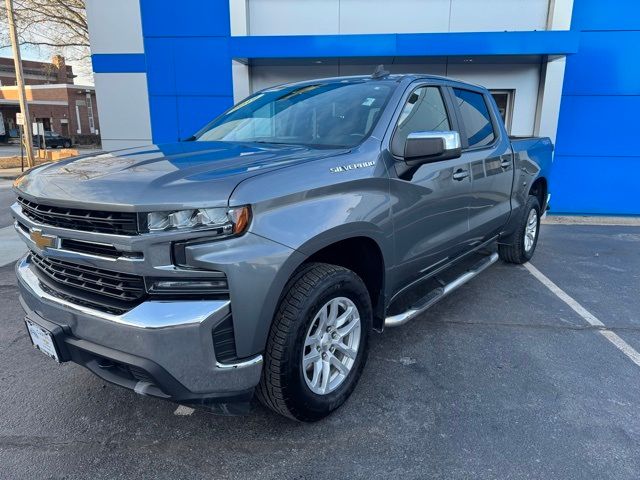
53	98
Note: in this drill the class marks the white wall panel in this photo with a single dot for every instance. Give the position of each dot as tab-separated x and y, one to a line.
115	26
123	104
263	76
498	15
560	14
316	17
550	98
293	17
426	68
523	78
397	16
241	81
238	20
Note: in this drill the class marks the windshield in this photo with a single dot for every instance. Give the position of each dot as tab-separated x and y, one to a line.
338	114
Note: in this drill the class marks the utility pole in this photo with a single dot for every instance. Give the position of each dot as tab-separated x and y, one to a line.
17	60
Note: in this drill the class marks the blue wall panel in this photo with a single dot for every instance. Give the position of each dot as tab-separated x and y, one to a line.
118	63
595	185
186	18
606	15
188	64
608	64
203	66
598	126
161	71
597	163
398	45
195	112
165	108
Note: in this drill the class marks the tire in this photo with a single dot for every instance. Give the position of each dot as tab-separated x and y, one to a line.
66	145
525	240
287	387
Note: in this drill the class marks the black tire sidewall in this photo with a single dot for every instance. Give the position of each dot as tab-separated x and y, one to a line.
313	406
532	204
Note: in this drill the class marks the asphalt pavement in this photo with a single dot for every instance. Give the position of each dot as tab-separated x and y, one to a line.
503	379
7	197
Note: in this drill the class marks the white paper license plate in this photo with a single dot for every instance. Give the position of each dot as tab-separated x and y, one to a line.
42	339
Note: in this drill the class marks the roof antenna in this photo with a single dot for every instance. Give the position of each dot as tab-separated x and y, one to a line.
380	72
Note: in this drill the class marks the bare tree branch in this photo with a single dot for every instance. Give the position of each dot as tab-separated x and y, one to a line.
57	26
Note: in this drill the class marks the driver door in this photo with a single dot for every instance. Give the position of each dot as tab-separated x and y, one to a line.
431	204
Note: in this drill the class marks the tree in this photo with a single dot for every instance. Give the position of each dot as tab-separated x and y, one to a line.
55	26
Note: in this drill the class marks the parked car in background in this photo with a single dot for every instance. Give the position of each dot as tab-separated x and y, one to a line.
259	255
51	140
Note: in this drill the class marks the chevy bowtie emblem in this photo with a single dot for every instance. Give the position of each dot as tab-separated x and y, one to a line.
42	240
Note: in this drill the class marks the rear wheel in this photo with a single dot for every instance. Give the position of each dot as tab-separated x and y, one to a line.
526	236
318	343
66	145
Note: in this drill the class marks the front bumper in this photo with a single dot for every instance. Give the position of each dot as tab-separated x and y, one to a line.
159	348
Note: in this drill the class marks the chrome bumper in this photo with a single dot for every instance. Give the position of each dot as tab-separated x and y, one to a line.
174	335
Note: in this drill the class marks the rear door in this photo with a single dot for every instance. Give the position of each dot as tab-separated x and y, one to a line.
430	205
487	149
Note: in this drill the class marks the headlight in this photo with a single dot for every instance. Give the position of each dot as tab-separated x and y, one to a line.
231	221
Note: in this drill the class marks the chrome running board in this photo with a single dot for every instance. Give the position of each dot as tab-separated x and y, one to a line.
439	293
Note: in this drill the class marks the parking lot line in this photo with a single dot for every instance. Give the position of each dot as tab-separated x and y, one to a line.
619	343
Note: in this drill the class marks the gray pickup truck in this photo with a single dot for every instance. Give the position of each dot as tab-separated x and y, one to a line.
259	255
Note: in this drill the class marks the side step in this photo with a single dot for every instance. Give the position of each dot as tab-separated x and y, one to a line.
433	296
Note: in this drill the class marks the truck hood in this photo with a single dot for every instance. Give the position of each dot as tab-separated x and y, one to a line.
167	176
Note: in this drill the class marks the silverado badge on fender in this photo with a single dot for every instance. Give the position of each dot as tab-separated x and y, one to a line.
351	166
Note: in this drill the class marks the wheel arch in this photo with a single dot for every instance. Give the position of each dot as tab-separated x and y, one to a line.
363	256
358	248
539	189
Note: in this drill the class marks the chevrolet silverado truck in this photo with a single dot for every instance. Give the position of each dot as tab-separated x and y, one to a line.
258	256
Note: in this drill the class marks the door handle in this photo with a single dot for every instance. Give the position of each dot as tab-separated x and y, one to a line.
460	174
505	163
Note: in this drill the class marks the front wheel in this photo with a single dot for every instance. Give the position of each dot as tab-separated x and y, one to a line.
318	343
526	236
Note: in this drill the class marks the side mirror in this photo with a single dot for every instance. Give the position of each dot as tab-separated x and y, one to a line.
427	147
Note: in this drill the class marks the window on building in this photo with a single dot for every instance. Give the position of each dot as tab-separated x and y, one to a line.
475	116
92	126
504	100
424	111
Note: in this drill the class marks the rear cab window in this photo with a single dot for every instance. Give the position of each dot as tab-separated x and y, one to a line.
475	117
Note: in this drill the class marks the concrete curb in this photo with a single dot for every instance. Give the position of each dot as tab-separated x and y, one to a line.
591	220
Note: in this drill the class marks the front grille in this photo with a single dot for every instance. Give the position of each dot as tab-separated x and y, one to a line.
91	248
103	289
117	223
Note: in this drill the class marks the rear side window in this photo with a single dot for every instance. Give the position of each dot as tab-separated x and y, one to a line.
475	117
424	111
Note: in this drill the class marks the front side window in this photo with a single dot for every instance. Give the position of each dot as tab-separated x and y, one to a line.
424	111
332	114
475	117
